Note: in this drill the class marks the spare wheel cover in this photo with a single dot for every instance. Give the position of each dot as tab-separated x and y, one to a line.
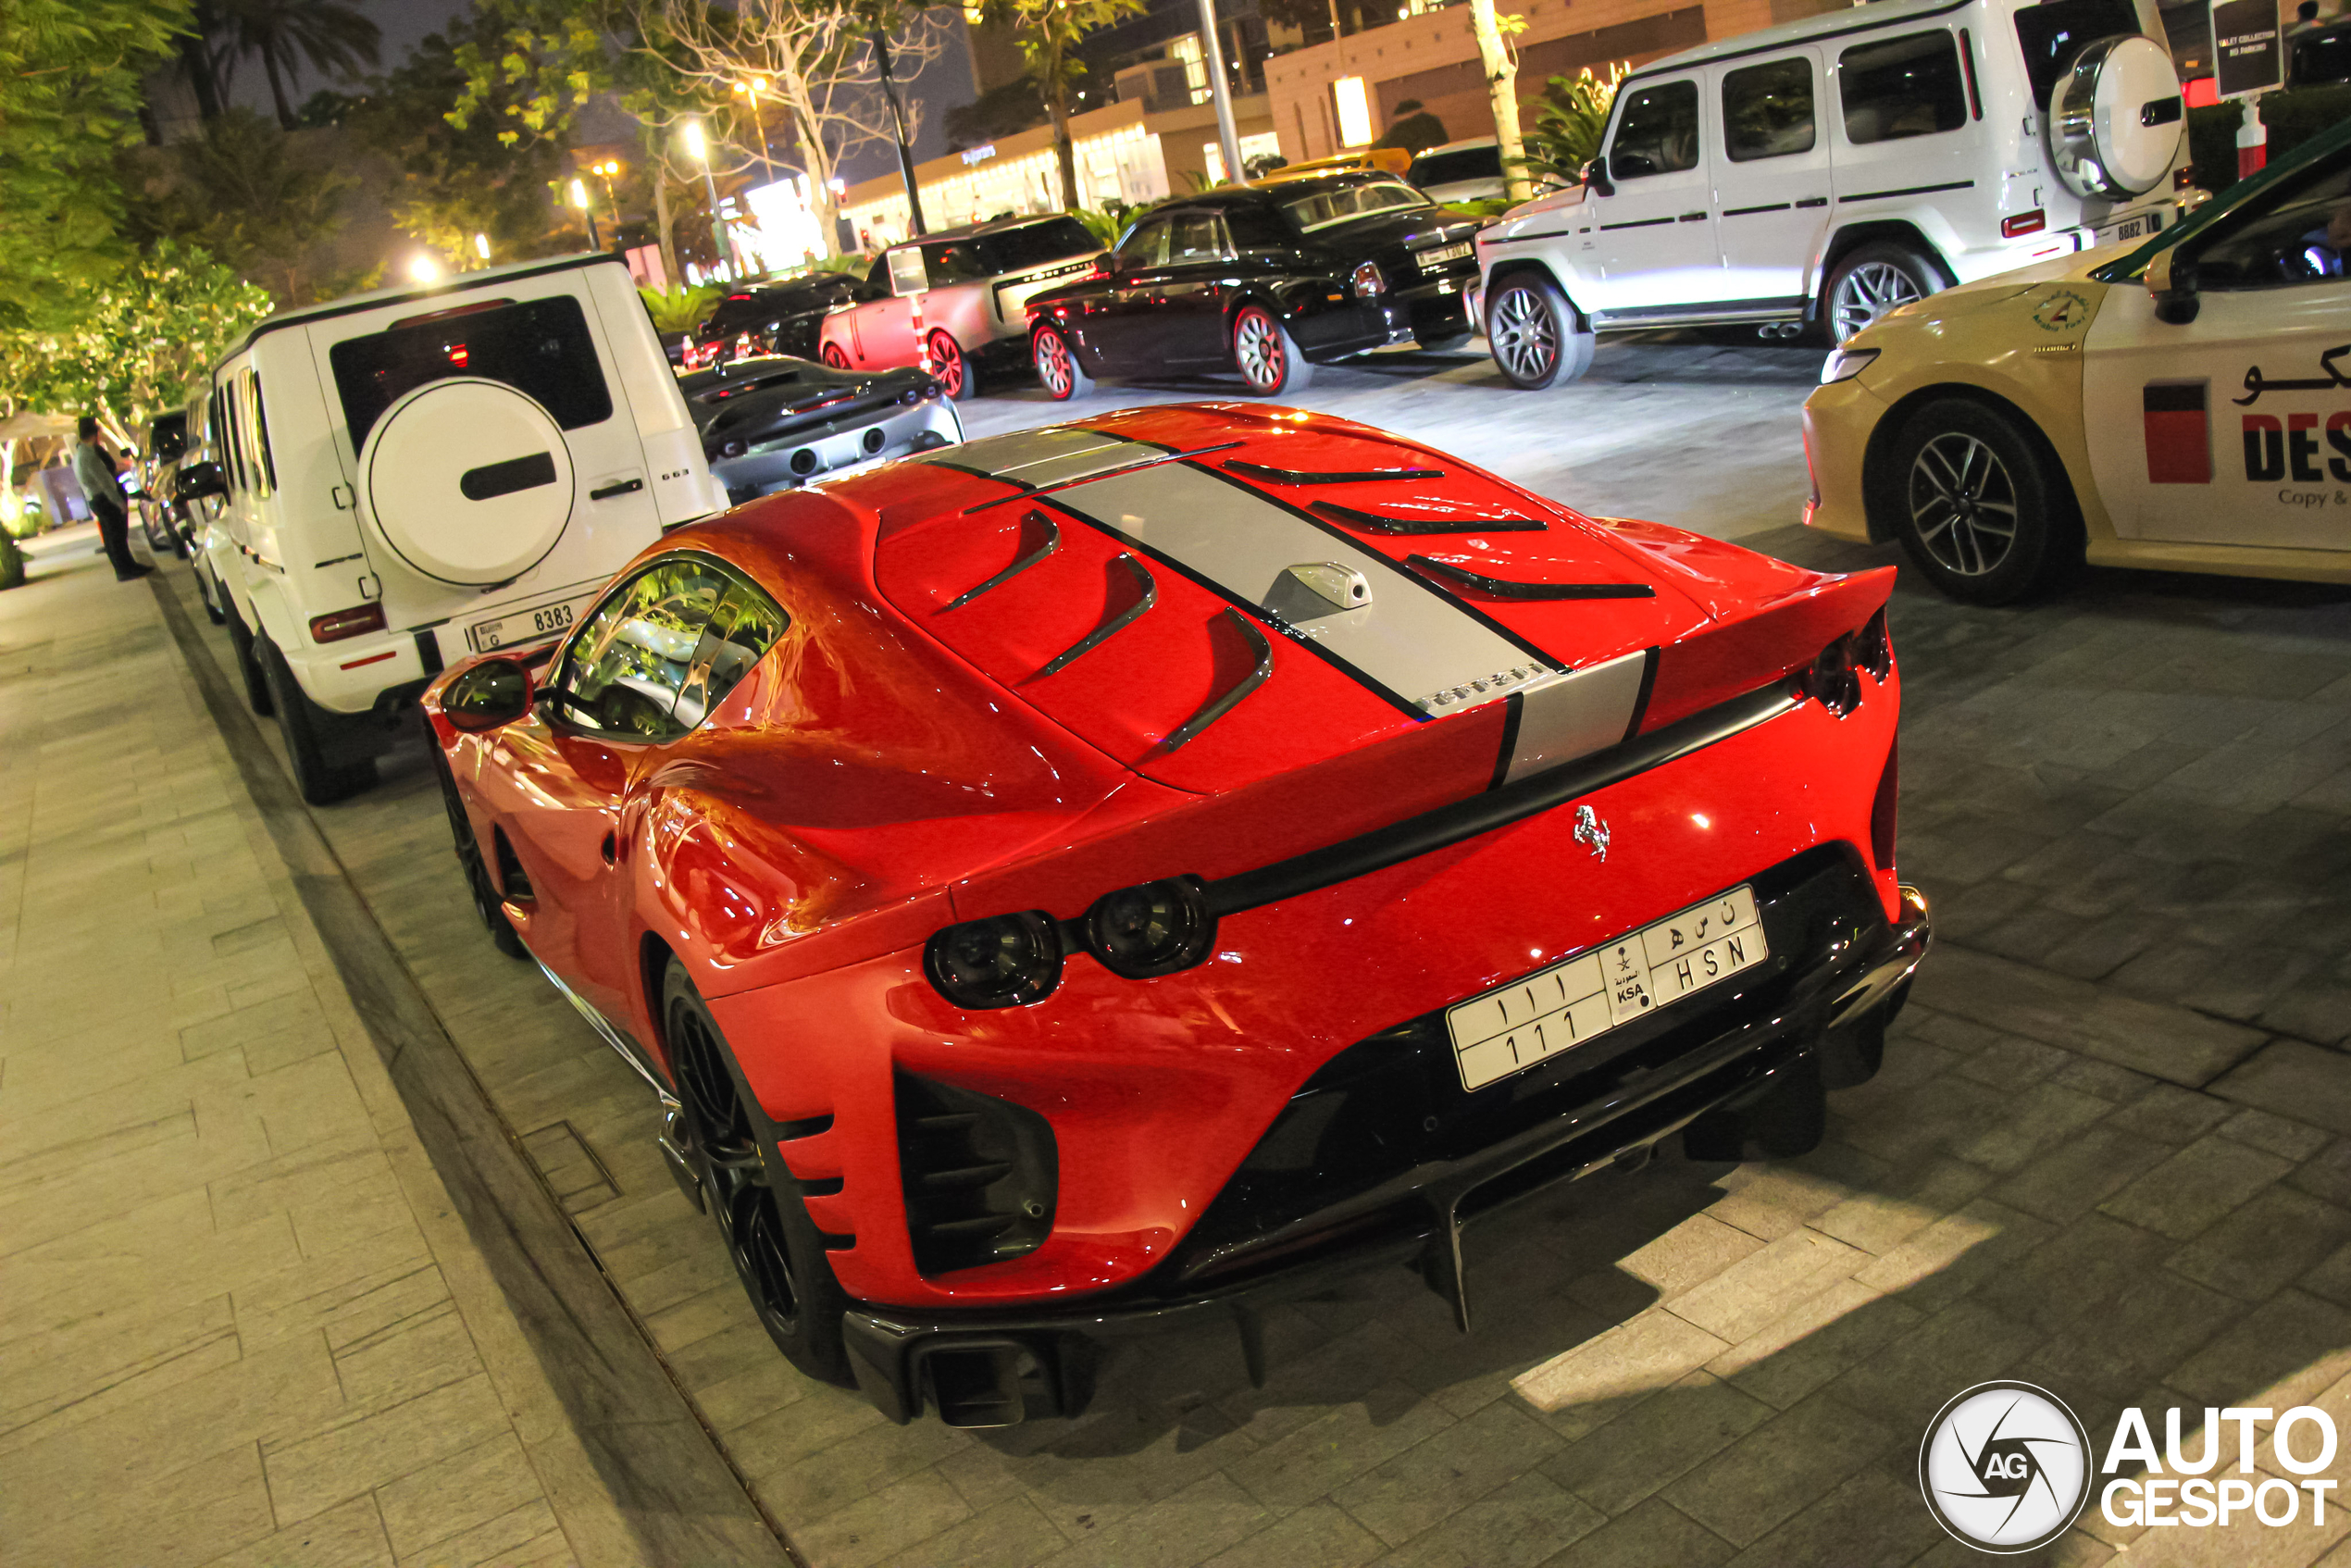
469	482
2116	118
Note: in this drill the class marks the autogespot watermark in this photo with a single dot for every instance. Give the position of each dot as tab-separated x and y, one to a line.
2006	1467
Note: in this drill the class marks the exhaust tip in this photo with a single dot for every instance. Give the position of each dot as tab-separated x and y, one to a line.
804	462
873	441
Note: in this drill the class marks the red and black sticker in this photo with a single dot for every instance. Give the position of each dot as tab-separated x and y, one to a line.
2179	433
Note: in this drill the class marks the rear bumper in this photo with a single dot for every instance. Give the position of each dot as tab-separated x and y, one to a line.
829	446
1434	309
1311	1203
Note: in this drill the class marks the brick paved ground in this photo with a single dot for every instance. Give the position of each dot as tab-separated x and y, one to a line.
2110	1152
238	1324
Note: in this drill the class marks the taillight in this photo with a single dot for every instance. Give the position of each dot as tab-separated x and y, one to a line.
1882	810
1156	929
337	624
2183	177
1007	962
2023	223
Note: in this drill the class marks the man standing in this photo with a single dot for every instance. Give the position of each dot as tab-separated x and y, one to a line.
104	491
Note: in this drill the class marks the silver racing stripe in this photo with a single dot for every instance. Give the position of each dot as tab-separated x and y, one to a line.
1036	459
1411	641
1572	715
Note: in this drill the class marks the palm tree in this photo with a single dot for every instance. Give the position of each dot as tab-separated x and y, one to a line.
333	38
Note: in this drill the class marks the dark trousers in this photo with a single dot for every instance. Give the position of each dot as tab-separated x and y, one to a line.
114	529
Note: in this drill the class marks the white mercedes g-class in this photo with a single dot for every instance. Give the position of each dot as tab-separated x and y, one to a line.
1823	171
416	474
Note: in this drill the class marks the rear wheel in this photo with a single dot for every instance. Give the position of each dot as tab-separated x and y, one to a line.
834	358
321	775
1980	505
209	591
1266	354
248	668
1874	279
775	1248
1057	368
1536	339
478	885
949	368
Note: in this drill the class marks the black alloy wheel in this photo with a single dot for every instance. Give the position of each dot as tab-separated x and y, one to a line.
479	885
321	770
1058	370
775	1248
1266	354
835	358
949	368
1537	339
1980	505
248	668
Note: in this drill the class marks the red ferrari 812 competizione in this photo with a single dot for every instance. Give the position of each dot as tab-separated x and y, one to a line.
1104	876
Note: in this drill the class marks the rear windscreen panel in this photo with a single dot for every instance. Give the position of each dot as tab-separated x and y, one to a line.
1033	245
2054	33
539	347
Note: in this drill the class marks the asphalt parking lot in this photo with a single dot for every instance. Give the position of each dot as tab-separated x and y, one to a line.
2110	1152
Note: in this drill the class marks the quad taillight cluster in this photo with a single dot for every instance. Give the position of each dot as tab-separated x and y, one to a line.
1832	679
1012	960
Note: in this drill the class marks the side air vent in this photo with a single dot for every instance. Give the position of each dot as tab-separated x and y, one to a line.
980	1174
513	880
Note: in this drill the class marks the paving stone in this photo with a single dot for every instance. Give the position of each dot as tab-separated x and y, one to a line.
2074	1178
2287	1139
1518	1526
1655	1534
2263	1246
1780	1468
1790	1358
2166	1114
1316	1536
1628	1459
2280	1354
889	1522
1628	1364
1445	1473
2164	1042
2291	1078
1873	1517
2190	1191
1955	1255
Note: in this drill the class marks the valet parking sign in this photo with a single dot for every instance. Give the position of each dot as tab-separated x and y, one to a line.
2006	1467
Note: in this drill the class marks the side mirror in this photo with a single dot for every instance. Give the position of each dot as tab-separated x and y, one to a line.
2172	284
1595	178
170	449
198	481
487	696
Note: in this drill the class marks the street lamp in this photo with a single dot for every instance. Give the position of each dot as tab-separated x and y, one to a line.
481	248
609	170
698	148
424	269
752	89
579	200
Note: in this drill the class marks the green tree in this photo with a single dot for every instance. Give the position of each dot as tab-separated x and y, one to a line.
332	38
249	194
70	87
1050	33
1568	125
461	173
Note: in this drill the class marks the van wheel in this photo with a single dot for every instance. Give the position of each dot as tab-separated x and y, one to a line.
1979	505
1058	370
1874	279
949	368
308	731
777	1251
248	668
1536	339
1266	356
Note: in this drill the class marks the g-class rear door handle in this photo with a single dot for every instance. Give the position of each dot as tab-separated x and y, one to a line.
1694	218
620	487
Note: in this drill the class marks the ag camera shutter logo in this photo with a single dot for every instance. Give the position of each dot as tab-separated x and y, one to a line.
2005	1467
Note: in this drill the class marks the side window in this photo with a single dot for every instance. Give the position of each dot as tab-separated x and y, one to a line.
623	669
877	283
746	626
232	419
265	467
1656	134
1906	86
2300	233
1147	246
1193	238
1767	110
958	261
1255	228
907	273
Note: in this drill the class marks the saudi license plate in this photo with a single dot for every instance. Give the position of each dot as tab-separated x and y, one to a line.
522	626
1444	253
1514	1026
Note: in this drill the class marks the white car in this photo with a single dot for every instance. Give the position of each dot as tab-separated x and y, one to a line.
414	476
1468	170
1830	169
